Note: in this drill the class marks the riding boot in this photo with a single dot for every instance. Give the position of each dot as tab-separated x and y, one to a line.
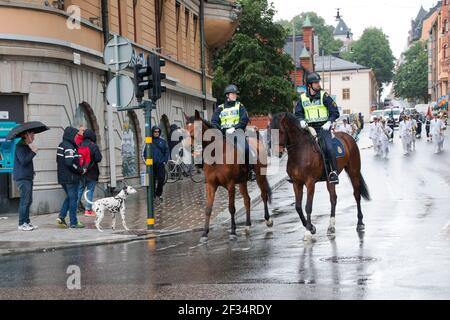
333	176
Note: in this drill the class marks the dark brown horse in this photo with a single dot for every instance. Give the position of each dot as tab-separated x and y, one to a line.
222	174
306	167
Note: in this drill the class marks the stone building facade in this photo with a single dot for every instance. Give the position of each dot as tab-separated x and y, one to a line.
52	70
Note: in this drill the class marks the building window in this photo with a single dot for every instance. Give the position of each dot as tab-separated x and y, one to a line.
195	27
186	18
130	163
346	78
159	8
177	14
346	94
445	51
82	117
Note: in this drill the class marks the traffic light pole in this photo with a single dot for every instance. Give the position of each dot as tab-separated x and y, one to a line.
149	105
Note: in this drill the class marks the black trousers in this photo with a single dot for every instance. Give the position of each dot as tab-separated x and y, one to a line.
159	174
327	143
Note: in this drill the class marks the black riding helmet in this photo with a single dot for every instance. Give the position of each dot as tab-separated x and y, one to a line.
313	77
231	89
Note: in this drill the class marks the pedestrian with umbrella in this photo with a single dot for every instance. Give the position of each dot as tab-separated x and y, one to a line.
23	172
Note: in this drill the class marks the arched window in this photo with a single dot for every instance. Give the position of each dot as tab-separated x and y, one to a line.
165	127
83	116
445	51
130	146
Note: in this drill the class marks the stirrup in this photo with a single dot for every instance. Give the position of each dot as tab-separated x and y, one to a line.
333	181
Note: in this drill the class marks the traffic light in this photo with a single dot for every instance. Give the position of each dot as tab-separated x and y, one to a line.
156	63
142	80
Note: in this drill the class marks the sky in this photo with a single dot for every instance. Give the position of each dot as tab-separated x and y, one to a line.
393	17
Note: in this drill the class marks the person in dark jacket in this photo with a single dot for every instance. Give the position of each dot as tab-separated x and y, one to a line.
160	154
69	176
318	110
23	174
90	179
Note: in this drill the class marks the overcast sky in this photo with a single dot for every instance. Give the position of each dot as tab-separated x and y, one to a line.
393	17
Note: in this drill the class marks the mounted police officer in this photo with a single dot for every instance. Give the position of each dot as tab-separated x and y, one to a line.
232	116
318	110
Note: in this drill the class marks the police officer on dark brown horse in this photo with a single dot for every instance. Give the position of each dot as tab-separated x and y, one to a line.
230	117
318	110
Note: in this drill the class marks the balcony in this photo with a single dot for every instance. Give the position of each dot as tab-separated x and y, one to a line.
221	21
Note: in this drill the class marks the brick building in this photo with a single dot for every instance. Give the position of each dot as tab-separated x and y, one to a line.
51	70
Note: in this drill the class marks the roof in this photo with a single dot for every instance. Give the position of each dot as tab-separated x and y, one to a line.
341	29
299	46
322	63
421	15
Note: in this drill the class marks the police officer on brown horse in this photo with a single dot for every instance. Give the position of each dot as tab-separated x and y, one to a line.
318	110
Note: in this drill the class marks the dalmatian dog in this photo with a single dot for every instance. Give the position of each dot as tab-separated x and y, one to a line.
113	204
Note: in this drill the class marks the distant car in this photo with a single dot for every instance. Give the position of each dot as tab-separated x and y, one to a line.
376	113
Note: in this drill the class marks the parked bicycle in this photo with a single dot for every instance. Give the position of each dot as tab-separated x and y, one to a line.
177	170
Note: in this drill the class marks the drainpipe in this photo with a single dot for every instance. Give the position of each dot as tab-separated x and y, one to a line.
202	50
111	144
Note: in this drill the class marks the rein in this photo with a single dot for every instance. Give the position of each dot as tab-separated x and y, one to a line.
289	147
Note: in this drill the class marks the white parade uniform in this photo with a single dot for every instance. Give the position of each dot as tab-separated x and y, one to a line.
405	133
385	134
345	128
373	135
413	136
436	130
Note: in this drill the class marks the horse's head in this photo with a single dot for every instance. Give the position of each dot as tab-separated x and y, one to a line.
195	127
288	130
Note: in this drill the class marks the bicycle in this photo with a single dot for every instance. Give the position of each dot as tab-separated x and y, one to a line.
177	169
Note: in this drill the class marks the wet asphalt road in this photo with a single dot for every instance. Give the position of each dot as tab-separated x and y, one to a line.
404	253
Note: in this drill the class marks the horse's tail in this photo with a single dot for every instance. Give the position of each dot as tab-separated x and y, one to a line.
363	189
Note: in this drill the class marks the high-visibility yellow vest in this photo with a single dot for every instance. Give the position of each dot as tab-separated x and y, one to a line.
229	117
315	111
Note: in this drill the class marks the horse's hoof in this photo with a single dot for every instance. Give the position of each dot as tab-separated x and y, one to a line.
233	237
331	230
269	223
361	228
203	239
313	229
247	230
308	237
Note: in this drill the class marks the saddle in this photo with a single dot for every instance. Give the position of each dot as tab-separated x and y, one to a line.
321	147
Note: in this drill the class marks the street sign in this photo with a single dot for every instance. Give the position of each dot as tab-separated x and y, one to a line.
120	91
117	54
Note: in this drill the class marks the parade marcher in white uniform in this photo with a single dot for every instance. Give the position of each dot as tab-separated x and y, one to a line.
373	135
405	132
345	127
413	124
437	127
384	137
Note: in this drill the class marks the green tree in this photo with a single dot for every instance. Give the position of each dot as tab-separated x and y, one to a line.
373	50
411	78
255	62
327	43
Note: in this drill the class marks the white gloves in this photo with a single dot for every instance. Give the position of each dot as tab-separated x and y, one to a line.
303	124
231	130
327	126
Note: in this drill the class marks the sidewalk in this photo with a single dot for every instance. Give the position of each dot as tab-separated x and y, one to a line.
182	211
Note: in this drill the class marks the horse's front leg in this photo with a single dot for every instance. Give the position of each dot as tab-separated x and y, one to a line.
333	200
210	194
310	228
232	209
298	190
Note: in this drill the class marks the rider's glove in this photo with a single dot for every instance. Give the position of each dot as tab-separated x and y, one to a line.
303	124
231	130
327	126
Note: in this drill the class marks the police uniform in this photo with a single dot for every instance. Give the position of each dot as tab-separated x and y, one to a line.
317	110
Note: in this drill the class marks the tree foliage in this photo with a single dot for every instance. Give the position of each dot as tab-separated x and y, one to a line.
327	43
411	78
373	50
255	62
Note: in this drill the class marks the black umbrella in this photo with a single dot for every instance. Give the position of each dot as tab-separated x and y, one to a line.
33	126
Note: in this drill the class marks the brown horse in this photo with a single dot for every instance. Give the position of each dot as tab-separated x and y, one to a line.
306	167
228	176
